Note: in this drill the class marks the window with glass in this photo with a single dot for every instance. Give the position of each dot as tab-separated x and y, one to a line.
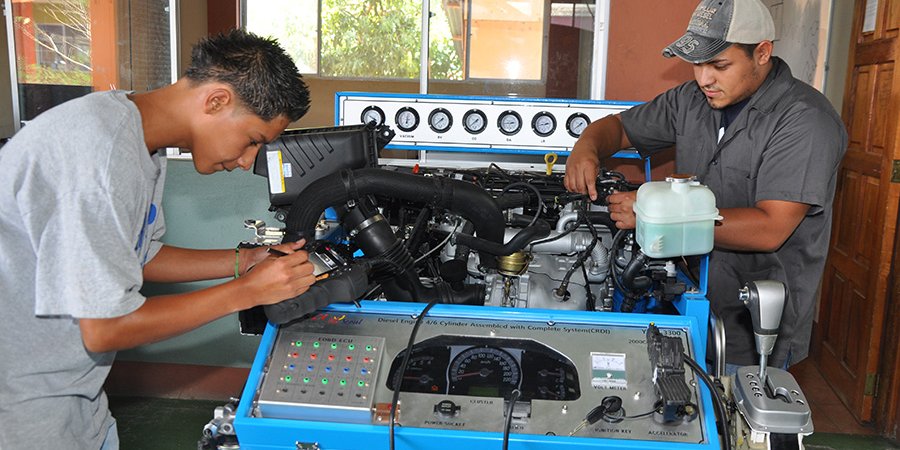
507	43
68	48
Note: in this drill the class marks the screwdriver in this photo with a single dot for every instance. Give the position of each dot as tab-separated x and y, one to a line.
608	405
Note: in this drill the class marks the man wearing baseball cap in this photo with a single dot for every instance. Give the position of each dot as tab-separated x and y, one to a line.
768	146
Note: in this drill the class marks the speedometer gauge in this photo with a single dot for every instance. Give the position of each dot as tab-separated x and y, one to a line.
485	372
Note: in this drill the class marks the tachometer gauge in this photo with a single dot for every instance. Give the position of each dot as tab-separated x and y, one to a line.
407	119
474	121
576	124
543	124
373	114
440	120
484	371
509	122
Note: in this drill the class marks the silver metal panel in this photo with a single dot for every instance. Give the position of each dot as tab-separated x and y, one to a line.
609	359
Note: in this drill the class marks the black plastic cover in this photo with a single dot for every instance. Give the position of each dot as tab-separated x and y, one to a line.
312	153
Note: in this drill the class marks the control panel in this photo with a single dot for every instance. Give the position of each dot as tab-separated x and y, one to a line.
472	124
316	376
463	369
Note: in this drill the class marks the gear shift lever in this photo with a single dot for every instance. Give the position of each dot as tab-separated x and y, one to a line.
765	300
772	401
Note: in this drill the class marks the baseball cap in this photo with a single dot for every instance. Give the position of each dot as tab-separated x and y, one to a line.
716	24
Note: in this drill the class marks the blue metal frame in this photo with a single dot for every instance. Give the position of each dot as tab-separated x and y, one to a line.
256	433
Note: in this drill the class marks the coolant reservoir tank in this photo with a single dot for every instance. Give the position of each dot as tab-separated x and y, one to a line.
675	217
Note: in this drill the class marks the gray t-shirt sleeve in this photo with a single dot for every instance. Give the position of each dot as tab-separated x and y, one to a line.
650	126
800	159
86	264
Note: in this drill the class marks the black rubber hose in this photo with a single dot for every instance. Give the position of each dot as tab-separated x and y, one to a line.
524	237
466	199
603	218
509	200
633	268
462	251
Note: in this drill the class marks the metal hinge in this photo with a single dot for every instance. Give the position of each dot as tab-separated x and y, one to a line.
871	384
895	171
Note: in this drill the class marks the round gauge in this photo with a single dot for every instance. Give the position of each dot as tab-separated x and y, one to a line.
510	122
424	374
407	119
485	372
543	124
576	124
552	384
474	121
440	120
373	114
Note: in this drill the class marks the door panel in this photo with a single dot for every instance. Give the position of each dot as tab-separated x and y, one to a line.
856	278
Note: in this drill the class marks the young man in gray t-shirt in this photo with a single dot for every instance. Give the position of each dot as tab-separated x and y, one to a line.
80	213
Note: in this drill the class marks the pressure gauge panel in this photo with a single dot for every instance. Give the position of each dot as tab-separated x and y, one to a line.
576	124
543	124
373	114
474	121
440	120
509	122
407	119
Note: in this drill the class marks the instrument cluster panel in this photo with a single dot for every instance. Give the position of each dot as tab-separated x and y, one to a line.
462	371
487	123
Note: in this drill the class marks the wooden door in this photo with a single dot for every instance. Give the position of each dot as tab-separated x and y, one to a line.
856	280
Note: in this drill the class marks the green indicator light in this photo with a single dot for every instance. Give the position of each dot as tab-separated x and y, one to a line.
351	346
287	378
316	344
333	346
324	380
368	348
298	343
360	383
306	379
343	382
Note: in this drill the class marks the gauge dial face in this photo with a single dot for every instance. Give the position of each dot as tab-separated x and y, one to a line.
484	371
509	123
440	120
407	119
543	124
373	114
576	124
474	121
424	373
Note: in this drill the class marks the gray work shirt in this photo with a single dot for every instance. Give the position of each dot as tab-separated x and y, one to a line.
786	144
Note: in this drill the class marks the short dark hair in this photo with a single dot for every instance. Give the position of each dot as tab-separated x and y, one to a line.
264	77
747	48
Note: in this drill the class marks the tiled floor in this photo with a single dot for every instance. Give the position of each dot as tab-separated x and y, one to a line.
828	413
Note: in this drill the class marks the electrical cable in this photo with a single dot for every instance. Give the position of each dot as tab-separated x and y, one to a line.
541	206
395	399
718	401
514	397
436	247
